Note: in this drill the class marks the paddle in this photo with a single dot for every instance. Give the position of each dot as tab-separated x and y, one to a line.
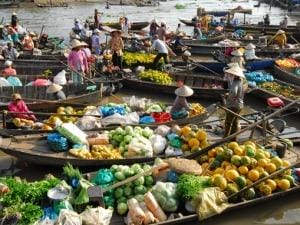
232	136
206	68
50	114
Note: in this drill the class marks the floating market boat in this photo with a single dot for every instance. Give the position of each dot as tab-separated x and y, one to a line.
254	28
212	39
204	86
9	3
57	4
116	25
285	75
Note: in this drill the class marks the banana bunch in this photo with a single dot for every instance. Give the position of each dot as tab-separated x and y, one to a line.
105	152
196	109
81	153
18	122
132	59
287	63
156	77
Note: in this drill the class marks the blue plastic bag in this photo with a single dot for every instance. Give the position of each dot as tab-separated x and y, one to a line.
147	120
57	142
14	81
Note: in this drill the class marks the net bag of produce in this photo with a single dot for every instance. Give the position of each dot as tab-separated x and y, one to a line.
159	143
140	146
96	216
68	217
57	142
72	133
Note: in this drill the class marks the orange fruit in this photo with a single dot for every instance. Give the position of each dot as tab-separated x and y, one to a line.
265	189
277	161
201	135
193	142
231	174
204	144
232	145
267	154
238	151
259	169
224	164
253	175
243	170
220	182
219	171
272	184
285	163
185	131
212	153
270	168
219	150
284	184
262	162
185	147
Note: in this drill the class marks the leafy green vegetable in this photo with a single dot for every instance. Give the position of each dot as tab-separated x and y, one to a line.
71	173
189	186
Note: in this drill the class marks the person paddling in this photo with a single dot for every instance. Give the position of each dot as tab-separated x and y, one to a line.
56	90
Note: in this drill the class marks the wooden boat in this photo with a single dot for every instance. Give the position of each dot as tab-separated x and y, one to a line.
57	57
285	75
187	22
58	4
9	3
34	62
201	84
254	28
134	25
213	39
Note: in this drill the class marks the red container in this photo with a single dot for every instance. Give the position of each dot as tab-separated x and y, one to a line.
161	117
275	102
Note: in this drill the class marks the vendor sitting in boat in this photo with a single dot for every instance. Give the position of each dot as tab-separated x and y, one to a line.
28	43
250	52
279	38
8	71
266	20
56	90
178	42
18	106
180	106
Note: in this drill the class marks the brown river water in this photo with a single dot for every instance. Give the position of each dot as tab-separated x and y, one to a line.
59	21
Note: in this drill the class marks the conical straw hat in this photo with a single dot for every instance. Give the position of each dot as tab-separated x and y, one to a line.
236	71
237	53
53	88
250	46
75	43
231	65
184	91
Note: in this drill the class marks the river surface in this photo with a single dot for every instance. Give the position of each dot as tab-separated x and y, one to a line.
59	21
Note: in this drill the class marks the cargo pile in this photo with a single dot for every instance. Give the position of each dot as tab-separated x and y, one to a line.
156	77
287	63
135	59
286	91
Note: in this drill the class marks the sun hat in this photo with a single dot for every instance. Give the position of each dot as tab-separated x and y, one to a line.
84	43
14	13
154	21
97	31
8	63
286	16
16	96
280	32
180	34
31	33
115	30
250	46
187	53
184	91
234	44
237	53
236	71
75	43
53	88
231	65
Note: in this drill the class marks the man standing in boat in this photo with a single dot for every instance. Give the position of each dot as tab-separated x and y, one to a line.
10	53
162	49
14	20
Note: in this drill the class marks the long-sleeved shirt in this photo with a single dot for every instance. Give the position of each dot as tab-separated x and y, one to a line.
116	45
179	104
250	54
21	107
160	46
239	60
78	61
236	94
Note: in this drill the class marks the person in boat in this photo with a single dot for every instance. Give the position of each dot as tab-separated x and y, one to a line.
14	20
250	52
125	26
8	70
85	32
77	27
205	22
237	57
279	38
162	49
180	106
88	54
107	5
178	42
10	53
197	33
266	20
77	61
27	42
97	18
17	105
56	90
153	27
116	46
96	44
13	34
234	46
162	31
178	29
284	22
235	98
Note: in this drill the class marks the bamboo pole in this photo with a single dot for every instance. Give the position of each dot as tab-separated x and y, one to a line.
232	136
48	114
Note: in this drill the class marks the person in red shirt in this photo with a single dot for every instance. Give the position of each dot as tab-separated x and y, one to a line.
8	71
17	105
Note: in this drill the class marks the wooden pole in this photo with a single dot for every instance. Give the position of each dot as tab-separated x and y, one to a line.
49	114
229	138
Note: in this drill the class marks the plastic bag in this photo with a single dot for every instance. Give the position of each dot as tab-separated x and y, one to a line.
154	108
89	122
113	119
174	140
14	81
96	216
4	82
72	133
41	82
171	151
165	194
162	130
132	118
147	120
59	205
104	176
159	144
140	146
60	78
138	104
57	142
69	217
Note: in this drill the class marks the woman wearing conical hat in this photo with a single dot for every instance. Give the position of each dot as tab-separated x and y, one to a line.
235	97
237	57
250	52
279	38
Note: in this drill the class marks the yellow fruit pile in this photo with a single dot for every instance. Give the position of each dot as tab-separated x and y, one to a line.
133	59
285	91
63	116
18	122
156	77
196	109
234	166
287	63
194	138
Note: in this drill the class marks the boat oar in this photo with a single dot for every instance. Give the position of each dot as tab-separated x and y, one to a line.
232	136
49	114
206	68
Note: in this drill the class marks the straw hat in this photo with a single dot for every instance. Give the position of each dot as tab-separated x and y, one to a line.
250	46
31	33
184	91
280	32
53	88
14	13
187	53
154	21
286	16
234	44
180	34
115	30
236	71
84	43
8	63
97	31
231	65
237	53
16	96
75	43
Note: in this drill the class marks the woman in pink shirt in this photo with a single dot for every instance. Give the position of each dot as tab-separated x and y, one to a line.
77	61
8	71
18	105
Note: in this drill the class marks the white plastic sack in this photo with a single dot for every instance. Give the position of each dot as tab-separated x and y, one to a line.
162	130
68	217
140	69
36	51
171	151
158	143
132	118
113	119
89	122
4	82
72	133
60	78
96	216
137	104
140	146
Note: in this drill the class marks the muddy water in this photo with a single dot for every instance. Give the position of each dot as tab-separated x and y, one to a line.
58	22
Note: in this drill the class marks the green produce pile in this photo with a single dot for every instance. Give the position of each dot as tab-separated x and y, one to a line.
285	91
25	198
156	77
